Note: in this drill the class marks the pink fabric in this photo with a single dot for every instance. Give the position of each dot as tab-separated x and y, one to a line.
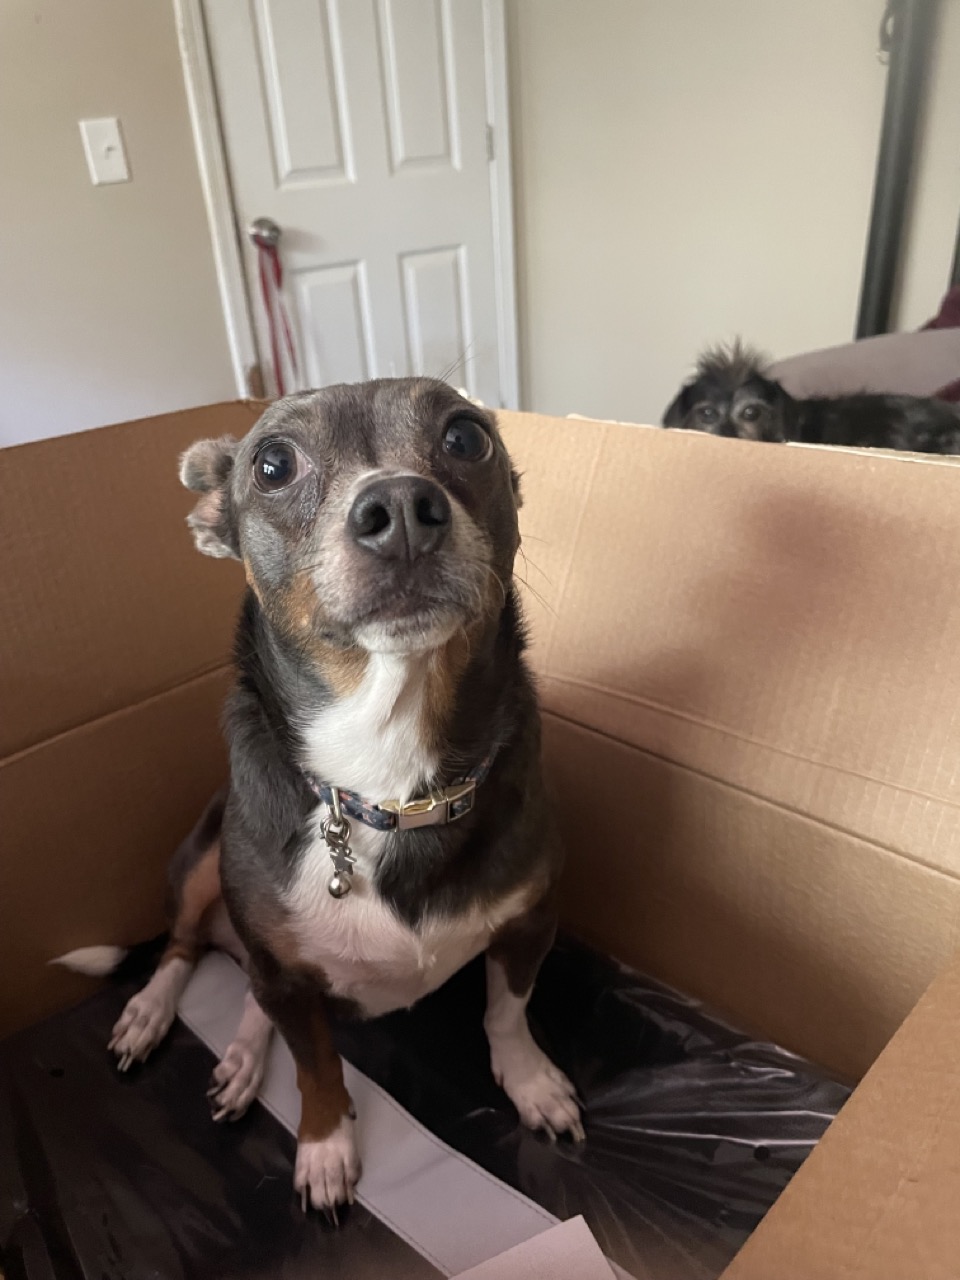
914	364
948	317
950	392
566	1252
925	363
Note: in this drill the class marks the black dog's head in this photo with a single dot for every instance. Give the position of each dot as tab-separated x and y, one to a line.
732	396
380	515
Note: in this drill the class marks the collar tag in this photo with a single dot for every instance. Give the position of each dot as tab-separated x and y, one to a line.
335	830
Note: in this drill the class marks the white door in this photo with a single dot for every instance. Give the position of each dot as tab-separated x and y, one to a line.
361	128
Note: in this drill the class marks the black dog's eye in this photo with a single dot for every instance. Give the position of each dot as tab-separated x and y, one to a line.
467	440
708	413
276	465
750	412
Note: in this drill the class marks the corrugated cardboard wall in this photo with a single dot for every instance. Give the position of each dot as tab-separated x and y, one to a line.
748	661
762	642
115	642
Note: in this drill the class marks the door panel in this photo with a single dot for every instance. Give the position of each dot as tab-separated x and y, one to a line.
360	126
438	325
334	314
418	81
304	98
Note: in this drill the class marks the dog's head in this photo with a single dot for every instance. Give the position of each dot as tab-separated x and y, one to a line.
379	515
732	396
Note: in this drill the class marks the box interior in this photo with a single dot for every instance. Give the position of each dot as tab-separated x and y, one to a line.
747	664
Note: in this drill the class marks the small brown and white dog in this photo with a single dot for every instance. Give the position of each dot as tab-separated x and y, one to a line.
385	820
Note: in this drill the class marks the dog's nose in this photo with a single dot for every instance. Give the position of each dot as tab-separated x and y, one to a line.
401	518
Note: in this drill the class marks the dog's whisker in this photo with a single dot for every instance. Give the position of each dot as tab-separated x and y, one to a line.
459	362
531	564
537	595
500	584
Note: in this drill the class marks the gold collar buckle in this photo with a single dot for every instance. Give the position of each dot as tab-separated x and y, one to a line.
441	806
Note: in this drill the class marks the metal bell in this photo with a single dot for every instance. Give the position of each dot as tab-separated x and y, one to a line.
339	886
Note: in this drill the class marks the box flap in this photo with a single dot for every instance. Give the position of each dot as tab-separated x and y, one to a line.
90	821
877	1199
747	656
784	620
103	599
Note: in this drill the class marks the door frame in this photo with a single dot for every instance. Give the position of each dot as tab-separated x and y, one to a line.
224	231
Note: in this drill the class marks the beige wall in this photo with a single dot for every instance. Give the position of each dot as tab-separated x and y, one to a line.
686	170
108	301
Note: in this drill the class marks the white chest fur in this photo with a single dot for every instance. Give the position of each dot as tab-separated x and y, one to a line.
373	743
365	952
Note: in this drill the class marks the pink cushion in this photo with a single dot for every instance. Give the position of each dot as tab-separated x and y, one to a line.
917	364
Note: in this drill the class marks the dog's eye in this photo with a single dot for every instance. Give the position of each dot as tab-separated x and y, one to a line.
708	413
467	440
750	412
276	465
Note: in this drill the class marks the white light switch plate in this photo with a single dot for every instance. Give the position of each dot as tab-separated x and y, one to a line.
103	147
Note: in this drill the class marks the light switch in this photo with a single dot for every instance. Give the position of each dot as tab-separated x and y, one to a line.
103	147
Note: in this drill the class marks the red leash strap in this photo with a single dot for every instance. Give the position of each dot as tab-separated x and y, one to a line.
278	321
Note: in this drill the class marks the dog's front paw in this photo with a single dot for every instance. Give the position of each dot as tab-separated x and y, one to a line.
327	1172
146	1019
542	1094
237	1078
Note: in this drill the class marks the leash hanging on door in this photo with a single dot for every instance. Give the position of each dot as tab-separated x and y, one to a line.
265	234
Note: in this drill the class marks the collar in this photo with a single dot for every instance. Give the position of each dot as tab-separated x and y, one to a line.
441	805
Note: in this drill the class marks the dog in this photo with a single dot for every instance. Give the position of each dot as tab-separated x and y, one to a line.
385	820
734	395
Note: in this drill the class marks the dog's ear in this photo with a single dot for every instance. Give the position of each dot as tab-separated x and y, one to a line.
205	469
678	408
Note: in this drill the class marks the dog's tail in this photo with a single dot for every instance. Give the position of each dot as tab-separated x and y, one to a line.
95	962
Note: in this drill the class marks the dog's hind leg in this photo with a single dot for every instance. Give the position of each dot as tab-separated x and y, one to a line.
544	1097
195	893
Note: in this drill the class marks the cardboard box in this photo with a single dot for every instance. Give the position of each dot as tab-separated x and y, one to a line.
748	662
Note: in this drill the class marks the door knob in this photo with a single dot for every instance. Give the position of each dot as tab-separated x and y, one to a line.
264	232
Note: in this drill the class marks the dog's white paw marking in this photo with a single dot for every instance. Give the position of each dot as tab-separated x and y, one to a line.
327	1172
145	1020
148	1015
542	1094
237	1078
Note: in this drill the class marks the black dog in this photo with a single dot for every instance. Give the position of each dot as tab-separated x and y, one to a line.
733	395
385	820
